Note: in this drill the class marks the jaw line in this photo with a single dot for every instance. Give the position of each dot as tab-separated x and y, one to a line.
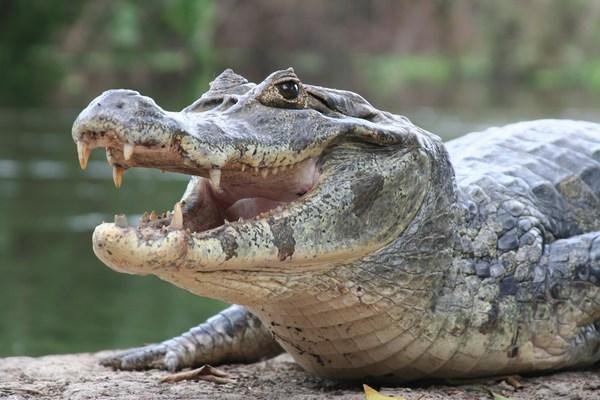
281	239
146	250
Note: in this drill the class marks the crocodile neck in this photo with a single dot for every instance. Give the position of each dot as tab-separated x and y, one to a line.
369	317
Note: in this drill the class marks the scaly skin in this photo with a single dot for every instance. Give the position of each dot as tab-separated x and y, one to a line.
405	259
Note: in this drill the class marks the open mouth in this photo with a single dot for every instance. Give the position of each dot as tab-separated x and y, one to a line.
215	196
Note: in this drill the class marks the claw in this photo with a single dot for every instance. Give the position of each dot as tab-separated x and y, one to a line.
151	356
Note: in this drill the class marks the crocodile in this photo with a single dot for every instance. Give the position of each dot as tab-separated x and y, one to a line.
355	241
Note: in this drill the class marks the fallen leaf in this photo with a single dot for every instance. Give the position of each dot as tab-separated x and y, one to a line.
497	396
372	394
205	373
515	381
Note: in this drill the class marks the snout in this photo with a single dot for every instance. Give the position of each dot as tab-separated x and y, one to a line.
115	108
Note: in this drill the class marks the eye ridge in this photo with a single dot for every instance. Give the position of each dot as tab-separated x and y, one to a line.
289	90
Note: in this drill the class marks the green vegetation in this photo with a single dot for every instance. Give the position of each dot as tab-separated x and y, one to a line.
62	53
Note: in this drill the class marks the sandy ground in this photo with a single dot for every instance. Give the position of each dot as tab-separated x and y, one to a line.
79	376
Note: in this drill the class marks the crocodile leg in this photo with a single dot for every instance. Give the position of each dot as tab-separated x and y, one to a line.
233	335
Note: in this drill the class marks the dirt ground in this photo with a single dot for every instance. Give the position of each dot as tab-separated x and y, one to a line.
79	376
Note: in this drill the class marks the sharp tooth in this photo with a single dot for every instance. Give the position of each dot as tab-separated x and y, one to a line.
118	176
83	152
177	220
121	221
243	167
256	170
264	172
215	177
128	150
275	170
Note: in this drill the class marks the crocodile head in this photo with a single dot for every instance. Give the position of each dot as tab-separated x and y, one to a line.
285	178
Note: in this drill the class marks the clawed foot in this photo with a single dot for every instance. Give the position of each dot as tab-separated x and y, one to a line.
147	357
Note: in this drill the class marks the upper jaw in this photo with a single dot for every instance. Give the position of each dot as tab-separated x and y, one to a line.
138	133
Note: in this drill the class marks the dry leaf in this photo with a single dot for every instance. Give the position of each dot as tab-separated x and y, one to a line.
372	394
515	381
494	395
497	396
205	373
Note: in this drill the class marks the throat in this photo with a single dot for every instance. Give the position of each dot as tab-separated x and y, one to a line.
251	207
235	195
327	332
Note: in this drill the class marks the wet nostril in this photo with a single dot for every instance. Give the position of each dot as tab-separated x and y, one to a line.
120	104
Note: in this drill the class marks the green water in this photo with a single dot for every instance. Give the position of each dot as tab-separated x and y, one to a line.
55	296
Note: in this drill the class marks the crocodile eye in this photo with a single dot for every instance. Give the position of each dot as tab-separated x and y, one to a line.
289	90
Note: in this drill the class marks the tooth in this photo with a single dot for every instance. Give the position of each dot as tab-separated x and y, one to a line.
256	170
177	220
275	170
83	152
264	172
243	167
153	216
215	177
121	221
128	150
118	176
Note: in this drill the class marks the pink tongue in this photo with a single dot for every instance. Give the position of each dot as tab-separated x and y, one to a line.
249	208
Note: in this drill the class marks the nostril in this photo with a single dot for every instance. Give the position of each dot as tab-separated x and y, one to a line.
230	100
120	104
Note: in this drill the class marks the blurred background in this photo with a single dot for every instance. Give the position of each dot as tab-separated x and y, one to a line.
450	66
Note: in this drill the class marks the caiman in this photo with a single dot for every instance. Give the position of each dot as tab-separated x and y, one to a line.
354	240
